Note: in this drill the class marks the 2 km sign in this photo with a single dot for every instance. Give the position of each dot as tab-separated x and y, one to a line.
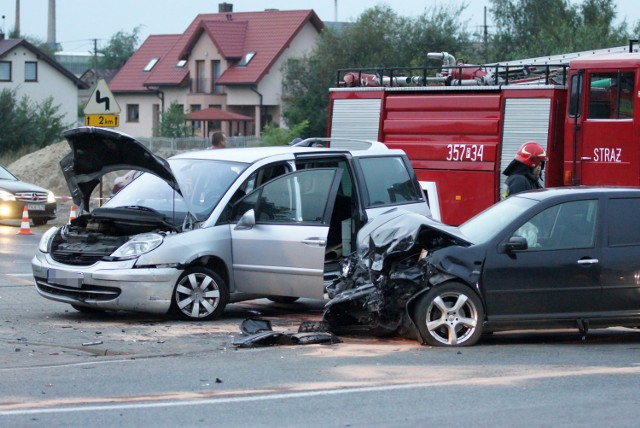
102	109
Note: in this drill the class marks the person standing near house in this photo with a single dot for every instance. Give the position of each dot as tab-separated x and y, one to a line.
218	140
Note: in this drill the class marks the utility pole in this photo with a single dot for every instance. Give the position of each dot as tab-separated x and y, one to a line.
95	57
486	37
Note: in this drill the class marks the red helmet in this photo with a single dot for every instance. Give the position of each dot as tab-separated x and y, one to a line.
531	154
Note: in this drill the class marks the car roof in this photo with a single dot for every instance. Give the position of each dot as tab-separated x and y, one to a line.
254	154
578	191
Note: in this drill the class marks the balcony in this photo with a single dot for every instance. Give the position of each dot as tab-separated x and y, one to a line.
205	86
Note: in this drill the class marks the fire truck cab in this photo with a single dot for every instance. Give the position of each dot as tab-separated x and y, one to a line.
461	125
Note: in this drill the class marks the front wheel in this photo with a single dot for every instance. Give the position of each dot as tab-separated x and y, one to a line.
450	315
200	294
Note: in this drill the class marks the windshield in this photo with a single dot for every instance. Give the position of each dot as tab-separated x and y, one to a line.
6	175
203	183
489	222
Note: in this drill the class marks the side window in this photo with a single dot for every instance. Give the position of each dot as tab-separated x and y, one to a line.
299	197
611	95
563	226
624	228
388	181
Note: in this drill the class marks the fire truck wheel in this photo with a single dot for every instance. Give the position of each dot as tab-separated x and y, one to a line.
450	314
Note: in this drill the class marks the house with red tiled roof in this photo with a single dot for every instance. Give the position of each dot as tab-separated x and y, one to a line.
31	73
225	70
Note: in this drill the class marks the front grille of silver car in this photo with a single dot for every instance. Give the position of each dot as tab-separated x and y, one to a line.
86	292
76	259
30	197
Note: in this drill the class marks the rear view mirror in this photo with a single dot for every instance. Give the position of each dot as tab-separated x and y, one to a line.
247	221
516	243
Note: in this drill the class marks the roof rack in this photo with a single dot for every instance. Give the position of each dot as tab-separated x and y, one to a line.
340	143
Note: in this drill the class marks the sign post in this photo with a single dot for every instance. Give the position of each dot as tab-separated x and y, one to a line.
102	109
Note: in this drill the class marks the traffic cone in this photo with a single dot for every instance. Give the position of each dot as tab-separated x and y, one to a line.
25	227
72	213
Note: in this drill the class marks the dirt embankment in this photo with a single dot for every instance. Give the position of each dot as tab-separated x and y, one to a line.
42	167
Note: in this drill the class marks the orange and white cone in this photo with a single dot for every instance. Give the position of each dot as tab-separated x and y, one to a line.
25	227
72	213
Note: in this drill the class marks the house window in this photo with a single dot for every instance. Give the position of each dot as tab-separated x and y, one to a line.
5	71
197	124
216	68
30	71
151	64
133	112
247	59
201	82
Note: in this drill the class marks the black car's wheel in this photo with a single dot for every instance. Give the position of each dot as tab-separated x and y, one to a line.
450	315
39	221
200	294
282	299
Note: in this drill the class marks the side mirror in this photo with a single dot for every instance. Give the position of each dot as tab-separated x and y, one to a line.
516	243
247	221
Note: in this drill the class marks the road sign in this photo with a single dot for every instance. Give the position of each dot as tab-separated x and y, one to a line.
102	101
107	120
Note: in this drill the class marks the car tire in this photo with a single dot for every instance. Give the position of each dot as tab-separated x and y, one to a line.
39	221
200	294
283	299
449	315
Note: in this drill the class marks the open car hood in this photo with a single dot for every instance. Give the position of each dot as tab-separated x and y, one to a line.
97	151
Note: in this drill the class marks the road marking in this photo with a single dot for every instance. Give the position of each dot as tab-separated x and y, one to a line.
163	402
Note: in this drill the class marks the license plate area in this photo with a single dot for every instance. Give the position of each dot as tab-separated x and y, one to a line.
35	207
66	278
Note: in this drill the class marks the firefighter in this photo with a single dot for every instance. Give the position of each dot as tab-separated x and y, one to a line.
524	170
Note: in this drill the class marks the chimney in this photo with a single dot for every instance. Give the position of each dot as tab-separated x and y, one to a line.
17	28
225	7
51	28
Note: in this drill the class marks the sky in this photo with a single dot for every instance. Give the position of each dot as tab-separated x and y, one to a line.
80	22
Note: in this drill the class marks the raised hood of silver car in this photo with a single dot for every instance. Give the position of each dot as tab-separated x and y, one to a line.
98	151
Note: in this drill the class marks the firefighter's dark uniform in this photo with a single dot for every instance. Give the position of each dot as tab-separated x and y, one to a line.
519	179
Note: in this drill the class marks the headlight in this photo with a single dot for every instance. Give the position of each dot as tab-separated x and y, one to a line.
46	239
138	245
6	196
51	198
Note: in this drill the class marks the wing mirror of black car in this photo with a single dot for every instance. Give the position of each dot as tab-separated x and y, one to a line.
516	243
247	221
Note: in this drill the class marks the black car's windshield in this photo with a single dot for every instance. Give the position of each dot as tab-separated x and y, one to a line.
6	175
489	222
202	182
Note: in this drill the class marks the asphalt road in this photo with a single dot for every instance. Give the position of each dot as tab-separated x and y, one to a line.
61	368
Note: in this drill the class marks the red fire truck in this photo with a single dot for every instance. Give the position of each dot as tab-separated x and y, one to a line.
461	125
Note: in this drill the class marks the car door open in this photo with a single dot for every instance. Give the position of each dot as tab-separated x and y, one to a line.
279	234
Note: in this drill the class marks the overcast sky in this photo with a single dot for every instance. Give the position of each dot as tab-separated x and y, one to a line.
79	22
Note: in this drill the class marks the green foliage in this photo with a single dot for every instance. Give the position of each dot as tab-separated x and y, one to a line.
173	122
275	136
119	49
379	38
28	125
531	28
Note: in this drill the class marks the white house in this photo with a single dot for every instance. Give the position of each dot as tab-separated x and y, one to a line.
32	73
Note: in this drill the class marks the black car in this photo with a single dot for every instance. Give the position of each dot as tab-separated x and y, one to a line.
553	258
16	194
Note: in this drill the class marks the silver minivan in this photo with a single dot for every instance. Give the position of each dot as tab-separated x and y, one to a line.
210	227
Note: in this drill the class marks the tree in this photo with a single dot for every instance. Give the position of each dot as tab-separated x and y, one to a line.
273	135
379	38
119	49
531	28
28	125
173	122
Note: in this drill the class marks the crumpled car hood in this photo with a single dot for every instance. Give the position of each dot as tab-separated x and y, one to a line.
97	151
